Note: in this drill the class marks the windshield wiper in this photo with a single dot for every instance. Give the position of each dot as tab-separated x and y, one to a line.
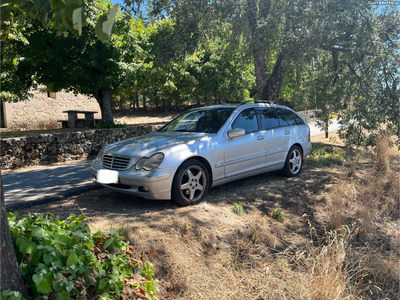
182	130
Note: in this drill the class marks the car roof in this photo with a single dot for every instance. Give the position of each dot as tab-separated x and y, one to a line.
257	103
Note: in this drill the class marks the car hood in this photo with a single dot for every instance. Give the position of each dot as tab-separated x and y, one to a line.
147	145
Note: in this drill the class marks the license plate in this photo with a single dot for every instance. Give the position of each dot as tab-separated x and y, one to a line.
107	176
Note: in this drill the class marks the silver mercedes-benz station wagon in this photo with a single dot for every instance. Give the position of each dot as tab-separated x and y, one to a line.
205	147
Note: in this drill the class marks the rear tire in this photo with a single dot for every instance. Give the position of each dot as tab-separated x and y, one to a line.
191	183
294	162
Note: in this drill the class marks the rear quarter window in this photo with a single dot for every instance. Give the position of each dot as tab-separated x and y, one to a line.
287	117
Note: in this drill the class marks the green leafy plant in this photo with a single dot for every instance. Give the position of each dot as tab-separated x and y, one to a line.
10	295
278	215
116	124
65	259
321	157
238	208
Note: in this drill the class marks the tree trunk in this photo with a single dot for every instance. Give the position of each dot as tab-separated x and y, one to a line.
104	98
259	53
137	100
144	100
274	86
134	100
10	276
326	125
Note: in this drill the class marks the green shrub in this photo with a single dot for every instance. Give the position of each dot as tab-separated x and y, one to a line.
10	295
65	260
324	157
116	124
278	215
238	208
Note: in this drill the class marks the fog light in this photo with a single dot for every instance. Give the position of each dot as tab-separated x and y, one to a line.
143	189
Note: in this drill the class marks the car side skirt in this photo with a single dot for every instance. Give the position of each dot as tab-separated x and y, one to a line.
248	174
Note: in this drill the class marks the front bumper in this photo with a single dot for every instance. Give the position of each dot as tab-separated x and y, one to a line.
155	184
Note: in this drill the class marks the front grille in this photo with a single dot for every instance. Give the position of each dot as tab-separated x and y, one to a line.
115	162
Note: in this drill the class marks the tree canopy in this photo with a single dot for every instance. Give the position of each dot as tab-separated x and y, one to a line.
311	54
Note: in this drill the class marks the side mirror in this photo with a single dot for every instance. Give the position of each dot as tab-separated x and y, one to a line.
236	133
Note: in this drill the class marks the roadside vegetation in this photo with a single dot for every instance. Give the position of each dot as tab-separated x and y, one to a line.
63	259
330	233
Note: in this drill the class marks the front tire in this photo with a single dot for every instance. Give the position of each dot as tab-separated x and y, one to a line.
294	162
191	183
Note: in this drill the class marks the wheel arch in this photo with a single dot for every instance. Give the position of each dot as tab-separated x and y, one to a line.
301	148
204	161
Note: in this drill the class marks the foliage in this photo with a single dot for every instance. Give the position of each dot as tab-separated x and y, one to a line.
82	64
116	124
64	259
373	93
64	17
324	157
15	84
238	208
314	54
278	214
10	295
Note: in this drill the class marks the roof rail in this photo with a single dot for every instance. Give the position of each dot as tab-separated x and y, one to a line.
262	101
265	101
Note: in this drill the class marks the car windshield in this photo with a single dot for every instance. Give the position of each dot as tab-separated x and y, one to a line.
201	120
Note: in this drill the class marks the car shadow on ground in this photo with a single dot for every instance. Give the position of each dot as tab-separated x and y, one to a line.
265	192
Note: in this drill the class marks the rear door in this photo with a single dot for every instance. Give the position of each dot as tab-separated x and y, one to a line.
245	153
277	138
298	128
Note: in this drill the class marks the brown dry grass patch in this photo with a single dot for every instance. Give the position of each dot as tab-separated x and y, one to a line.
339	240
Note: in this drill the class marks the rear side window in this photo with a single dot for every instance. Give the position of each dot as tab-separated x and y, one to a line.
287	117
247	120
281	116
269	119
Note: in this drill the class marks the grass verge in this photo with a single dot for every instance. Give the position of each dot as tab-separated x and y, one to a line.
339	239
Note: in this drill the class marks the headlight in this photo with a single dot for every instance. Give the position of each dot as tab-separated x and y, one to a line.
99	156
150	163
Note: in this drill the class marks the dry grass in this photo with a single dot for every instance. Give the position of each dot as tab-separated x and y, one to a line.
339	240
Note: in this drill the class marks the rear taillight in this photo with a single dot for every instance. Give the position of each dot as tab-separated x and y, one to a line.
309	135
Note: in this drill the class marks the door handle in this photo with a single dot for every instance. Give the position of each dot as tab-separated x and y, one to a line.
260	137
287	131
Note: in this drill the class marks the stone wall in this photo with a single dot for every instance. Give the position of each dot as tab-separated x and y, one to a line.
61	147
308	115
42	110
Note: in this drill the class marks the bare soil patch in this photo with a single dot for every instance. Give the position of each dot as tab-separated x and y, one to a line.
144	117
328	247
